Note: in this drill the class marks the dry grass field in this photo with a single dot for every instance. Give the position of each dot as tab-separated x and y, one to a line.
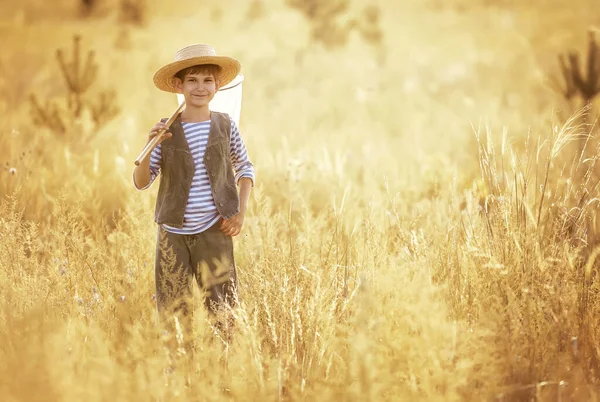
423	226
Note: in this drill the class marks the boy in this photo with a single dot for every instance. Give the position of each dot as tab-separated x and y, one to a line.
198	209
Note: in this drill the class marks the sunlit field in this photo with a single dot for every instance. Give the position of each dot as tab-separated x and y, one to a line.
423	226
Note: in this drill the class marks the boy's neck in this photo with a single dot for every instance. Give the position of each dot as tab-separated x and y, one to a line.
192	114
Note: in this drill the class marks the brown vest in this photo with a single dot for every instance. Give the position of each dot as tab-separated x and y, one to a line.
177	172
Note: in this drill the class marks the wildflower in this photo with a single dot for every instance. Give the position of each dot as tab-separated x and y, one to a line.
12	171
122	298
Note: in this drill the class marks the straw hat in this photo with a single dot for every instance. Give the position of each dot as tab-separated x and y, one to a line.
190	56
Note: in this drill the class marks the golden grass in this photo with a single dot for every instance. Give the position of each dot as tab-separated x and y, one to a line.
421	230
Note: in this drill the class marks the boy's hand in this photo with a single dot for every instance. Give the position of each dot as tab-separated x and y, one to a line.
159	126
233	225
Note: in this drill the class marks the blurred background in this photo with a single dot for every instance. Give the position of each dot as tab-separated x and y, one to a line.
401	84
423	225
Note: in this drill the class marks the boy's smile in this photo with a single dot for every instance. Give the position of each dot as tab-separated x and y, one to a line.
198	89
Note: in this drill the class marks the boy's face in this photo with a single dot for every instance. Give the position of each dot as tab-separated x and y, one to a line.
198	89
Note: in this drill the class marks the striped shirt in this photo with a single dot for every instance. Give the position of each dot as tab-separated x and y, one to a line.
201	212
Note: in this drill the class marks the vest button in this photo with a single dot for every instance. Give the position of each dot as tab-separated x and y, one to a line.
220	204
207	157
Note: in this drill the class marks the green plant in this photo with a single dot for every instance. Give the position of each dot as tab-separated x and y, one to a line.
587	85
328	27
134	12
79	75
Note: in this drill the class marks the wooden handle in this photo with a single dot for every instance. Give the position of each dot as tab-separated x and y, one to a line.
154	141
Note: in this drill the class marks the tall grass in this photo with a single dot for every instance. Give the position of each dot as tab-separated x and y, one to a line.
388	253
347	303
521	258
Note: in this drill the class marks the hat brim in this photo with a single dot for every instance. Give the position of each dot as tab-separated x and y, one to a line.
164	78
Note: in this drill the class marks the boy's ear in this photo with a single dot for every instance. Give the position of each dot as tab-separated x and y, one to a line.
178	84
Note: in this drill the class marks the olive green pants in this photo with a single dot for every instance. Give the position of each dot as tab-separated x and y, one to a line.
207	256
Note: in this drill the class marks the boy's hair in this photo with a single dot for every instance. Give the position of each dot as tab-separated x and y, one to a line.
207	69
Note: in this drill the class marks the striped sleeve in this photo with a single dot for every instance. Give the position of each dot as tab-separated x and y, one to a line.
242	165
155	157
